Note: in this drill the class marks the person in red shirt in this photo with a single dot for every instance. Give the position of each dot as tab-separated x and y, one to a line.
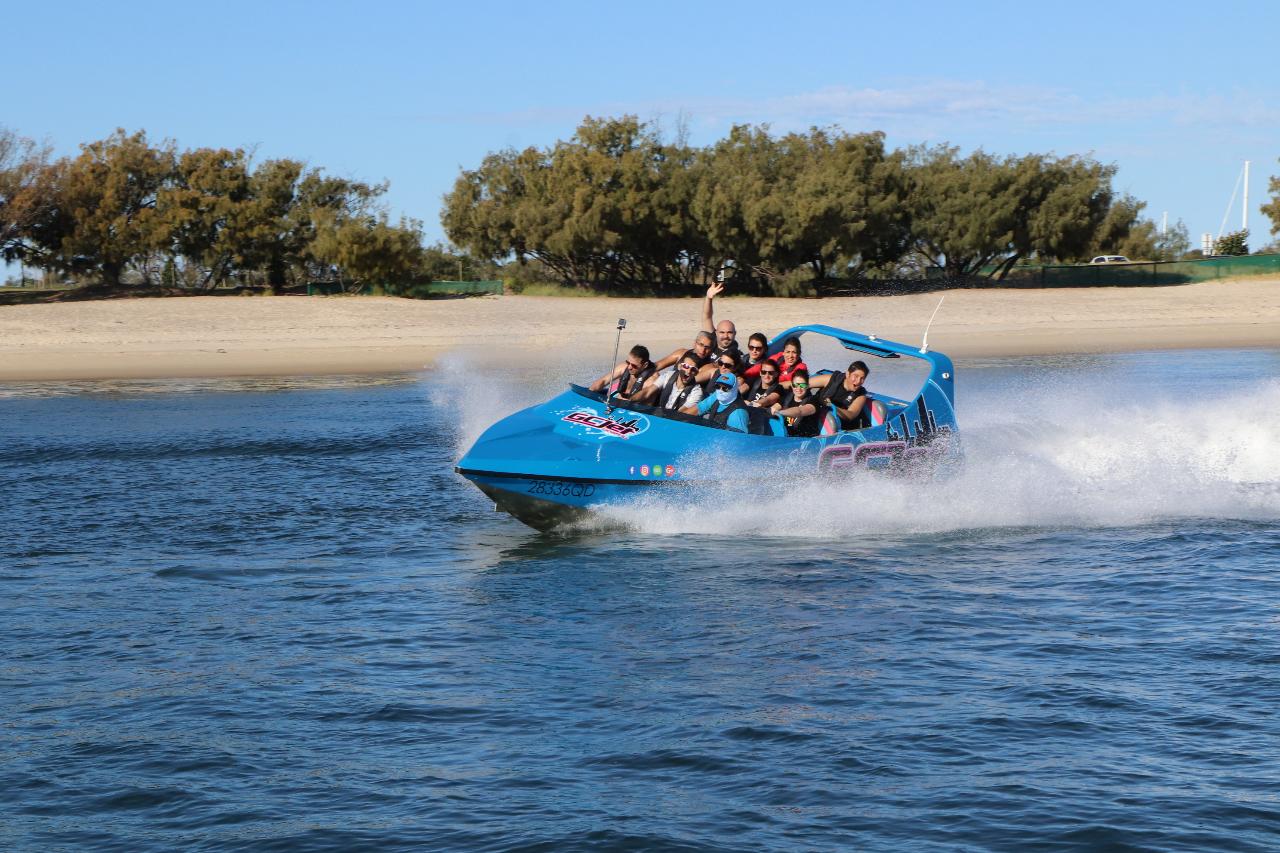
788	361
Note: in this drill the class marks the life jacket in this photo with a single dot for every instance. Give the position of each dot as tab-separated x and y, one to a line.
757	419
628	384
755	393
835	388
805	426
720	416
785	373
680	396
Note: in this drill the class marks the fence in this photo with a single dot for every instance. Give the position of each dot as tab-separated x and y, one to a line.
437	288
414	291
1135	274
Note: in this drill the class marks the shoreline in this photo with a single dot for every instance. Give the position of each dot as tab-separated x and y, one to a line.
212	337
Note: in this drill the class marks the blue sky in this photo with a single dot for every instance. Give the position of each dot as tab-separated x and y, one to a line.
1177	95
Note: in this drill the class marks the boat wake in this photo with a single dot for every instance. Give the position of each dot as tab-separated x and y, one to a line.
1034	458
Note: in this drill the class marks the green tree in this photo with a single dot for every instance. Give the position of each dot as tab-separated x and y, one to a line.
287	207
1173	244
733	207
443	263
962	210
1233	243
269	243
367	249
103	217
823	199
1272	208
26	192
1112	235
1142	240
206	210
1058	205
607	206
985	213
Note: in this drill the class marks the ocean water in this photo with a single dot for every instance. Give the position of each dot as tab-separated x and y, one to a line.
267	615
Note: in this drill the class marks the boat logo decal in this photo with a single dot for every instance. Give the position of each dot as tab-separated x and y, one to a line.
903	447
618	427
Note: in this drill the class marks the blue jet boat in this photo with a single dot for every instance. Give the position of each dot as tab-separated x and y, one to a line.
557	461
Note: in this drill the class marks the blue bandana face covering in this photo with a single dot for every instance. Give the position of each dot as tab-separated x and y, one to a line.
725	396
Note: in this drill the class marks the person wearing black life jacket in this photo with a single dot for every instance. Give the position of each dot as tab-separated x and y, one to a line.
765	390
627	378
801	410
682	388
847	395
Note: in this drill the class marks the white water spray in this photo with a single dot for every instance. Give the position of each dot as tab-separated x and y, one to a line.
1034	457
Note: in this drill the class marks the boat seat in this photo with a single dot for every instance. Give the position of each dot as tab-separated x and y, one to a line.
876	411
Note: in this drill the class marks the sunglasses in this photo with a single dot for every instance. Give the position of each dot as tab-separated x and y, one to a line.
754	347
687	366
633	365
800	385
768	373
726	364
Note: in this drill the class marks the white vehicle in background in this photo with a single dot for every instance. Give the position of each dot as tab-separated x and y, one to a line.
1110	259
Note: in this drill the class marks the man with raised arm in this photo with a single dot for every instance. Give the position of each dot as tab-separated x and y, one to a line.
726	334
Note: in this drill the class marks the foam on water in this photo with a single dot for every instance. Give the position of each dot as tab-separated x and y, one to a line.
1037	454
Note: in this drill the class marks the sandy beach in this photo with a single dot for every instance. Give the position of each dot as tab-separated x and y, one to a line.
288	335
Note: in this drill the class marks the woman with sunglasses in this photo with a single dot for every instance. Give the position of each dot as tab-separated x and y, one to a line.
802	412
725	362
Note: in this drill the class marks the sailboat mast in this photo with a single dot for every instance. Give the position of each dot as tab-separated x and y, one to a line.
1244	207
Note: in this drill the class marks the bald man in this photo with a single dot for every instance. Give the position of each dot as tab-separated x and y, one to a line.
726	334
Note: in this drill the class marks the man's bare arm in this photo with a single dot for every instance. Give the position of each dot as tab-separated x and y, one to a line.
708	319
669	360
599	384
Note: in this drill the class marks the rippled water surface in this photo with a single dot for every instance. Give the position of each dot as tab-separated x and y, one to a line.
268	615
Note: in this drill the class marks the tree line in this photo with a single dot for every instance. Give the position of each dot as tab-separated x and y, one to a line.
127	211
618	204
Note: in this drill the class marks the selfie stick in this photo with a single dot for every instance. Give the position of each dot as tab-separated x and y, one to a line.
622	324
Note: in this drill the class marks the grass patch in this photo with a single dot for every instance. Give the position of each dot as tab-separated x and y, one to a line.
546	288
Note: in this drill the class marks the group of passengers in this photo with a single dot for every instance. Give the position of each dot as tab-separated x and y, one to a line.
714	379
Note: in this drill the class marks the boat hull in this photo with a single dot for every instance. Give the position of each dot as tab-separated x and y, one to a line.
546	504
